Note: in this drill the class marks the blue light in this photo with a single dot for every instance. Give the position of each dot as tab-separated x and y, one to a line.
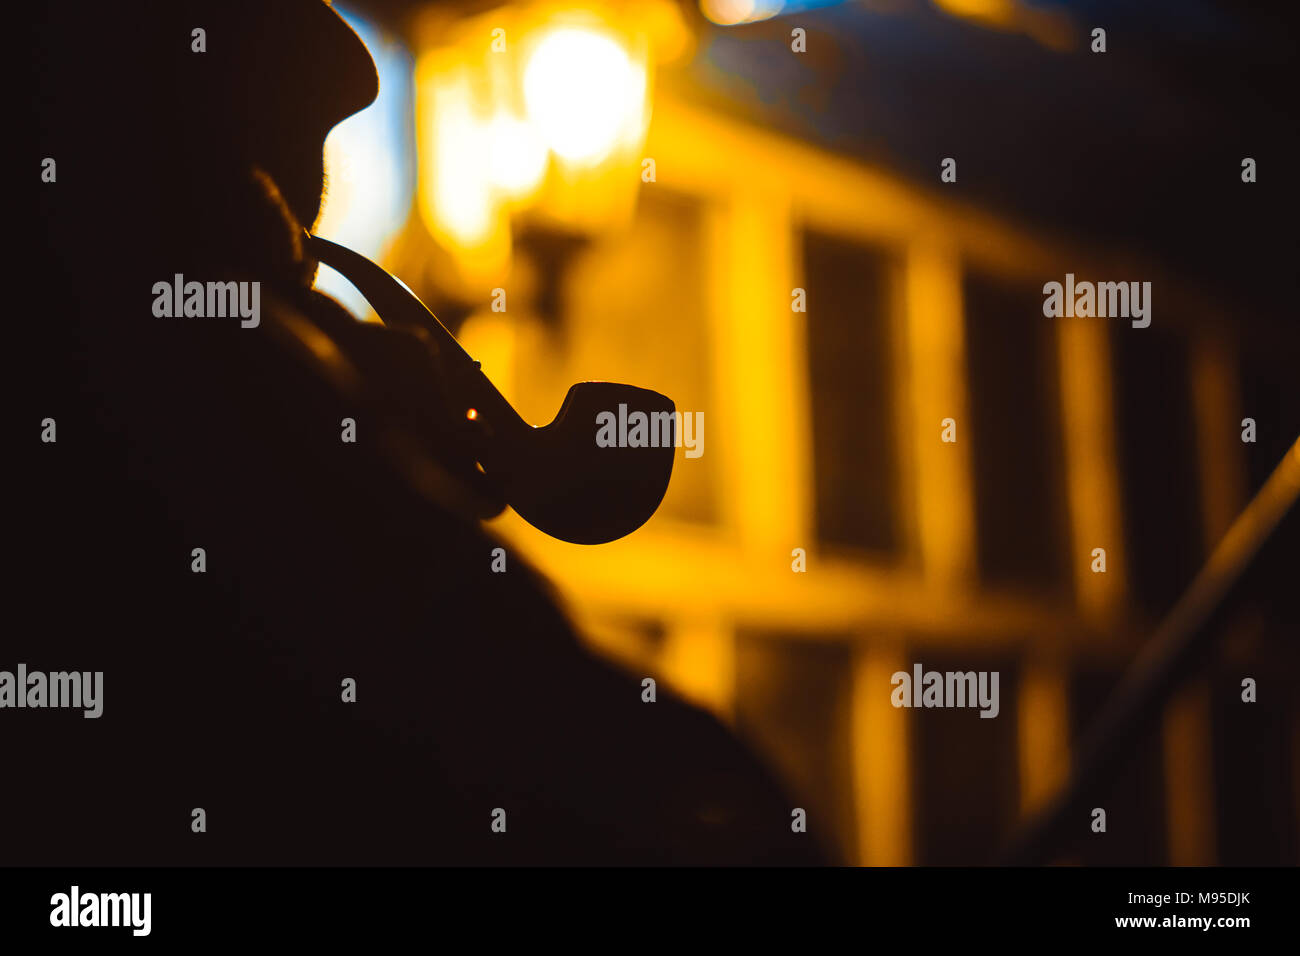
370	164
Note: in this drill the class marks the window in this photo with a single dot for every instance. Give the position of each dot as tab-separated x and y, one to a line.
634	311
792	706
1158	464
1017	450
965	770
1134	800
850	300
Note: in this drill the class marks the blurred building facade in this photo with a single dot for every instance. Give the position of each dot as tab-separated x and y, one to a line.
827	316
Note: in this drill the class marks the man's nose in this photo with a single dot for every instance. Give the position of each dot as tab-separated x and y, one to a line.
355	78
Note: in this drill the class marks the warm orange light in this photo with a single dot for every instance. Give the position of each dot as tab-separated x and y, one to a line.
462	193
547	119
731	12
993	12
458	201
583	92
472	414
517	155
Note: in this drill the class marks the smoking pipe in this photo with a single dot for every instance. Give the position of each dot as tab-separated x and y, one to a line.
554	476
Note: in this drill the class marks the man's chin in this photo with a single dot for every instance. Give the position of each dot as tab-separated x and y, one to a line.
309	214
303	196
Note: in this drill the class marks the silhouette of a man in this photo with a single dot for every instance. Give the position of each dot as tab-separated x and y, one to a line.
199	533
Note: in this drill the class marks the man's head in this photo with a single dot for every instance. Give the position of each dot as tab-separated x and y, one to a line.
285	72
188	96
